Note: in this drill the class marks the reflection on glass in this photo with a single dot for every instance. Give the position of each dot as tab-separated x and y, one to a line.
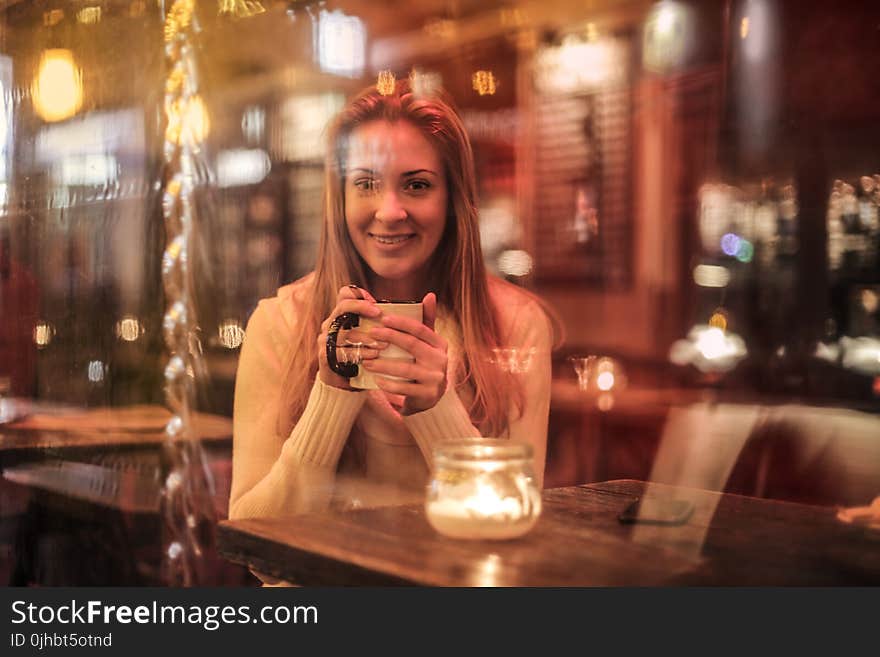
488	571
514	360
425	83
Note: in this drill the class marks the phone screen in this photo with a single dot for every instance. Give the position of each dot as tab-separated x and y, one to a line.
658	511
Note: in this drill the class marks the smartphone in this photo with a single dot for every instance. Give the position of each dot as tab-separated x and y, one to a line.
657	511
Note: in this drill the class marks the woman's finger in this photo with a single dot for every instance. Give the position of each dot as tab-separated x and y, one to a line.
429	308
414	328
357	336
356	354
406	370
351	305
410	391
419	349
354	292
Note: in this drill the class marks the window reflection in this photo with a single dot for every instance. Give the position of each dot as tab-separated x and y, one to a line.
691	186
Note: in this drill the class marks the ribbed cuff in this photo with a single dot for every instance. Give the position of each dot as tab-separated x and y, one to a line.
323	428
447	420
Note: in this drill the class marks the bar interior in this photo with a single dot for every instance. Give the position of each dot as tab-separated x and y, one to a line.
641	241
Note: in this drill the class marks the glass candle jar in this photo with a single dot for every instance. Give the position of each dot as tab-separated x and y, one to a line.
483	488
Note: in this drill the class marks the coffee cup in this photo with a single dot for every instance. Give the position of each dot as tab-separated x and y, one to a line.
358	376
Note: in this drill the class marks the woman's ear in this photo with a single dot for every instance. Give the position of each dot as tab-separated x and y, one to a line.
429	310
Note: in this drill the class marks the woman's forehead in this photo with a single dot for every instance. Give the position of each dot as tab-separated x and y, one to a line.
380	145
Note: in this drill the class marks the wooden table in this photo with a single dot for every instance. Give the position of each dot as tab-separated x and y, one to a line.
88	478
106	455
578	541
46	426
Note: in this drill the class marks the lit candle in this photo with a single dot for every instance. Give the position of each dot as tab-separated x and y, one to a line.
480	494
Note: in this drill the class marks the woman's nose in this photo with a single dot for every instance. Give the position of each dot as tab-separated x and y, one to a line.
390	208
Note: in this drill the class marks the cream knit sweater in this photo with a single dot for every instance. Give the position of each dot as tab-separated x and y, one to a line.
352	448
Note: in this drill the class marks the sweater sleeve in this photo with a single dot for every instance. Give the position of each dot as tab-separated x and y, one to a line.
276	475
447	420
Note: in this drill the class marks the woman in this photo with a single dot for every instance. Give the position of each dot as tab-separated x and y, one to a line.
400	222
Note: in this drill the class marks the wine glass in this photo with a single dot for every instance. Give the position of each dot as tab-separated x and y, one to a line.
583	367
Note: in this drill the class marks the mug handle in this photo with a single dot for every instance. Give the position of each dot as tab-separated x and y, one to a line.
344	321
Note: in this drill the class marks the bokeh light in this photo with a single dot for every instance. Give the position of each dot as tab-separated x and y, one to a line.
341	43
718	320
514	262
484	83
745	251
58	90
129	328
711	276
385	83
605	380
230	333
44	332
96	371
730	243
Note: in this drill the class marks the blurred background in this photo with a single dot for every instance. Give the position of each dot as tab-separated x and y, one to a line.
693	187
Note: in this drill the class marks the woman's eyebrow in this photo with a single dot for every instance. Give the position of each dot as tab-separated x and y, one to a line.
362	170
415	171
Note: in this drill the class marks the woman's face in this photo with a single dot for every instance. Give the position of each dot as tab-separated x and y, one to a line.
395	204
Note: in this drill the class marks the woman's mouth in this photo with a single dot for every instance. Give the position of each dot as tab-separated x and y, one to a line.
392	239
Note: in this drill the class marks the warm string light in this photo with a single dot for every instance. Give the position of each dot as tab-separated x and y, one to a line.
43	334
241	8
484	83
385	83
129	328
230	333
178	19
186	504
89	15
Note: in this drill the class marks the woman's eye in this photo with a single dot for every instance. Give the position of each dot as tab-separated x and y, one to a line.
418	185
366	184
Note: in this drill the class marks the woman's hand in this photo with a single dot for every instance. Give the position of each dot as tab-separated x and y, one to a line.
349	299
427	372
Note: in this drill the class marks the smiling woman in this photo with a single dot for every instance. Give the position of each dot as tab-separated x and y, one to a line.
395	205
400	222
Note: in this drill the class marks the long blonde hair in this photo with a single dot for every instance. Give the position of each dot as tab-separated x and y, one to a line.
458	273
